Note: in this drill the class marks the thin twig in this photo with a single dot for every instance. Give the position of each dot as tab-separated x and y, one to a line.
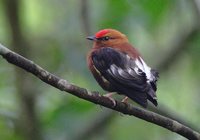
95	97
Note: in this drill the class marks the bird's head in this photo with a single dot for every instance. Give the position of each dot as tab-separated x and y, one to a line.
108	38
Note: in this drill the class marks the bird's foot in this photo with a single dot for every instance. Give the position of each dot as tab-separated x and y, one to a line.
109	96
125	100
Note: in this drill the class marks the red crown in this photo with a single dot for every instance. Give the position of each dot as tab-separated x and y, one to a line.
101	33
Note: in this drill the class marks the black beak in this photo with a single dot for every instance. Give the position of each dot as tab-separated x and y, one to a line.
93	38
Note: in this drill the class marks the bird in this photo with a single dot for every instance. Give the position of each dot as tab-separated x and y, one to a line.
119	68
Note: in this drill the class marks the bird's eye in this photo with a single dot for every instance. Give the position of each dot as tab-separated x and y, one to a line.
106	38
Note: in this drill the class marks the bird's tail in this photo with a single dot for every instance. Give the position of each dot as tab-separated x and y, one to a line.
151	96
139	98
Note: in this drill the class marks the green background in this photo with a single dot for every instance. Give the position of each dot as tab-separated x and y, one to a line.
53	34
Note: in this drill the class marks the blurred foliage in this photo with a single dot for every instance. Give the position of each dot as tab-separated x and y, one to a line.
57	42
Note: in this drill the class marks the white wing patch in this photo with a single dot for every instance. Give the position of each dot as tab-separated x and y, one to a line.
143	66
140	65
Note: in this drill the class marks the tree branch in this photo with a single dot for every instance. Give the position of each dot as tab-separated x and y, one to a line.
95	97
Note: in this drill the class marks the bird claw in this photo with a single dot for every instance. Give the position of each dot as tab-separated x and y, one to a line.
108	95
125	100
113	101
